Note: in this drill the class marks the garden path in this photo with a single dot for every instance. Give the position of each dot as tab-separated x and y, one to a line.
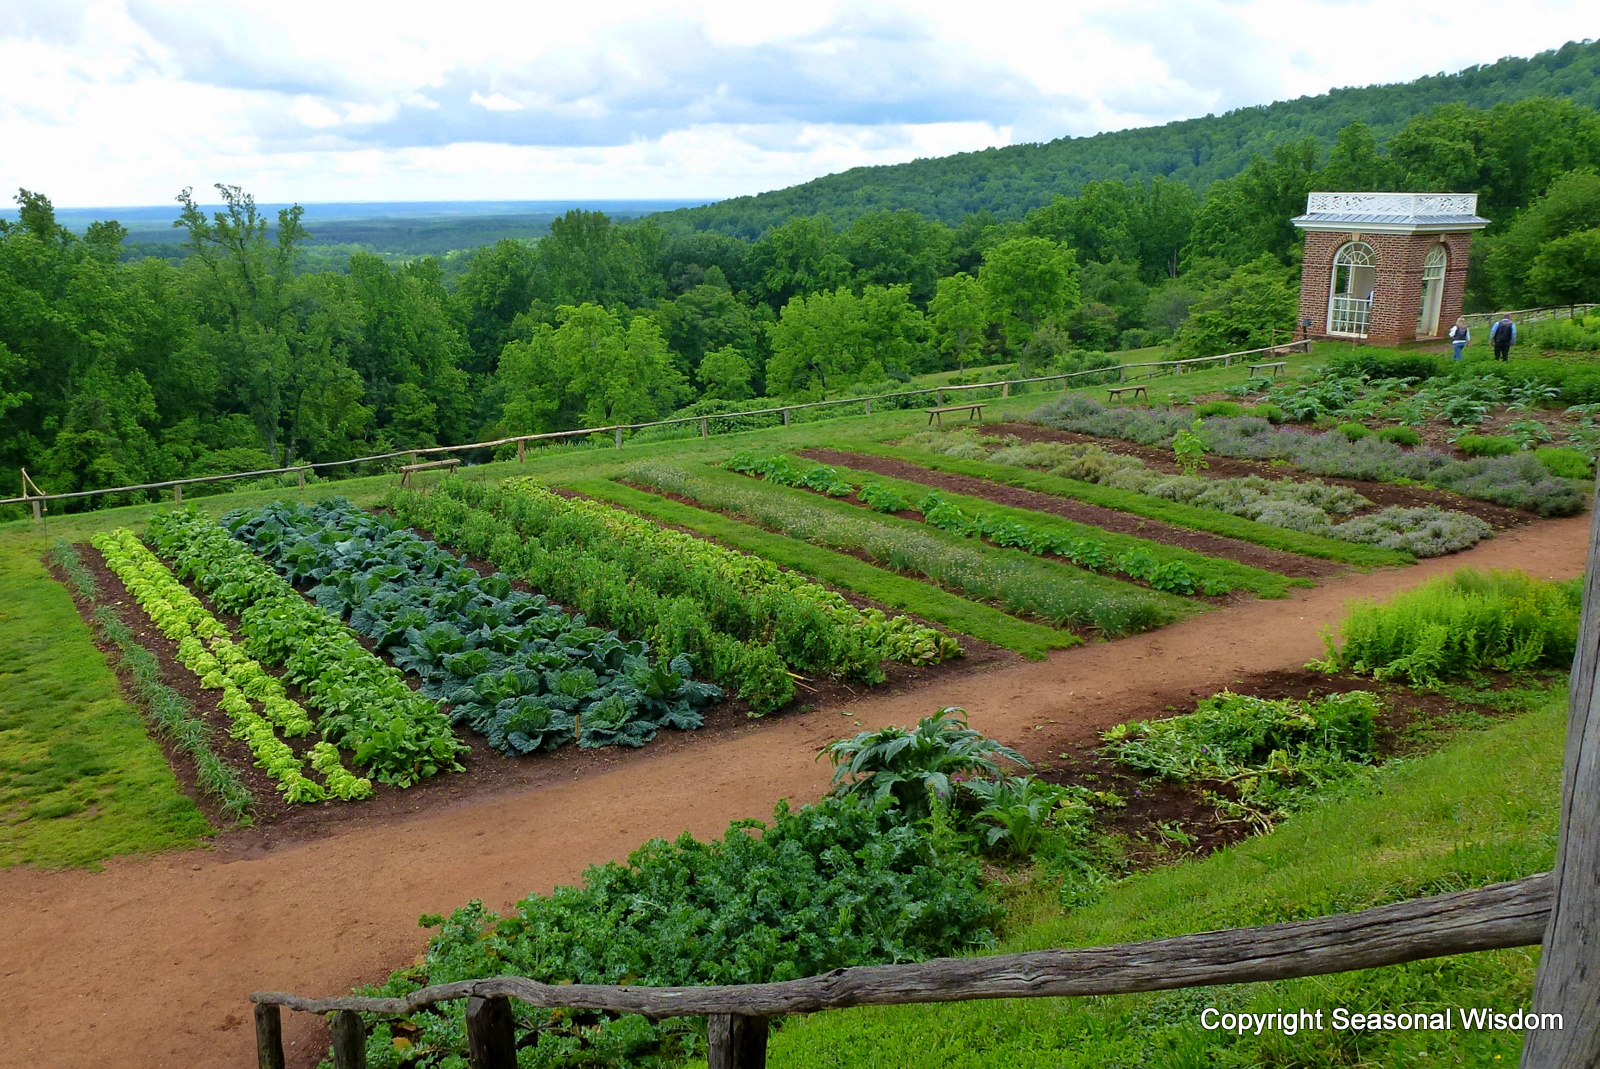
148	962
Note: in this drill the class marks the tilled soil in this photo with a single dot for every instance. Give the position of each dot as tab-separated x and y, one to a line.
148	963
1272	560
1382	495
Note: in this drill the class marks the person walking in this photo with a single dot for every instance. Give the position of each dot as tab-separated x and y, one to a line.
1504	335
1459	336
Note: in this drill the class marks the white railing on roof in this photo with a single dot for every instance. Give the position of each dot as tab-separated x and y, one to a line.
1405	204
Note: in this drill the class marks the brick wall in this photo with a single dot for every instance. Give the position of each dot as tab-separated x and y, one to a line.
1397	283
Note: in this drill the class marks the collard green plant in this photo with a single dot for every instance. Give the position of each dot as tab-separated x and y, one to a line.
913	768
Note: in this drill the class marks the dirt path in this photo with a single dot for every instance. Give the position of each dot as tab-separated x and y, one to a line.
148	963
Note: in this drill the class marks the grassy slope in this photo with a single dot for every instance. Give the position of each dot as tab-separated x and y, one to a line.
836	569
1240	576
80	780
1481	811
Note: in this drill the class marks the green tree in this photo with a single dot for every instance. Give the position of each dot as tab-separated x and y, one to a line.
1253	307
830	339
1028	282
501	282
1567	271
796	259
1534	242
1356	165
588	260
959	316
724	375
898	248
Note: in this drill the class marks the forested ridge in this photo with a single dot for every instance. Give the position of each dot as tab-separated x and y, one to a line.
246	352
1011	180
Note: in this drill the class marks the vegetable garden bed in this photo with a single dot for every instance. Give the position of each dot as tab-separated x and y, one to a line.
1382	495
1022	584
1202	543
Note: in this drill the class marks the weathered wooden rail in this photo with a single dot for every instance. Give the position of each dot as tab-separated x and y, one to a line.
1559	911
37	499
1488	918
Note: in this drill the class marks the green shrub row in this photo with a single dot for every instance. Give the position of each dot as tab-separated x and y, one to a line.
1458	624
1016	581
363	705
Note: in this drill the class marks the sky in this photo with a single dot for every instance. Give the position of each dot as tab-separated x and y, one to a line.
126	102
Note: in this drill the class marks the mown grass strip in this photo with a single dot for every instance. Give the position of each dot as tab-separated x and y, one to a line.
80	778
1153	508
836	569
1258	581
1018	582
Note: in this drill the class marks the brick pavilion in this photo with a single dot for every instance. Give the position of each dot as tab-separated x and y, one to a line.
1385	267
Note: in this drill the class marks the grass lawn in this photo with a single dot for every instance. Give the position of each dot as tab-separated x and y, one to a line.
80	779
1483	810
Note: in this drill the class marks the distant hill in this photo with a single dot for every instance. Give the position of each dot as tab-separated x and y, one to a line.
1010	181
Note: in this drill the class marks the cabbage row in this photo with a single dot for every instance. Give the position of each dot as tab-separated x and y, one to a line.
364	706
206	650
747	620
514	667
1173	577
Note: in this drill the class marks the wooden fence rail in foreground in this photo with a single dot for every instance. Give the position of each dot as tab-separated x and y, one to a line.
1489	918
36	499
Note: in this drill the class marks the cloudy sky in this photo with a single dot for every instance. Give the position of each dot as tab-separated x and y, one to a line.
124	102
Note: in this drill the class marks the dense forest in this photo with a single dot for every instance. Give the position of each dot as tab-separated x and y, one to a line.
245	353
1196	152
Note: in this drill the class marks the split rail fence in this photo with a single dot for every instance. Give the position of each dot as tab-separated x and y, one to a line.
37	499
1559	911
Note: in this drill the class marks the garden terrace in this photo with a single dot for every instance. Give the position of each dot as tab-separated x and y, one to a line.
844	571
1018	582
1127	557
1095	516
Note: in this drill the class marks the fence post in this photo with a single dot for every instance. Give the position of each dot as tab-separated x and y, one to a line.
938	398
736	1041
349	1040
300	477
522	450
786	417
1005	389
269	1036
1568	981
177	495
705	431
38	511
619	437
869	406
491	1033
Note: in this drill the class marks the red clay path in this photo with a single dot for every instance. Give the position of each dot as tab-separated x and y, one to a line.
148	963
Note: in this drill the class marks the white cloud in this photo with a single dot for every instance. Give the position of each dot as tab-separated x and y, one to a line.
125	101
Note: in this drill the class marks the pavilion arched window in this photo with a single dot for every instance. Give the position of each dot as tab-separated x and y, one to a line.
1432	291
1355	269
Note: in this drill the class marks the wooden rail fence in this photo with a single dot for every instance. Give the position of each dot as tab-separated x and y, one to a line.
1559	911
36	499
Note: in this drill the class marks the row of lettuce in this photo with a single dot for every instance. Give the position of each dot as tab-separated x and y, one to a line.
903	860
307	584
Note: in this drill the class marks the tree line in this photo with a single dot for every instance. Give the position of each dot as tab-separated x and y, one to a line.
240	356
